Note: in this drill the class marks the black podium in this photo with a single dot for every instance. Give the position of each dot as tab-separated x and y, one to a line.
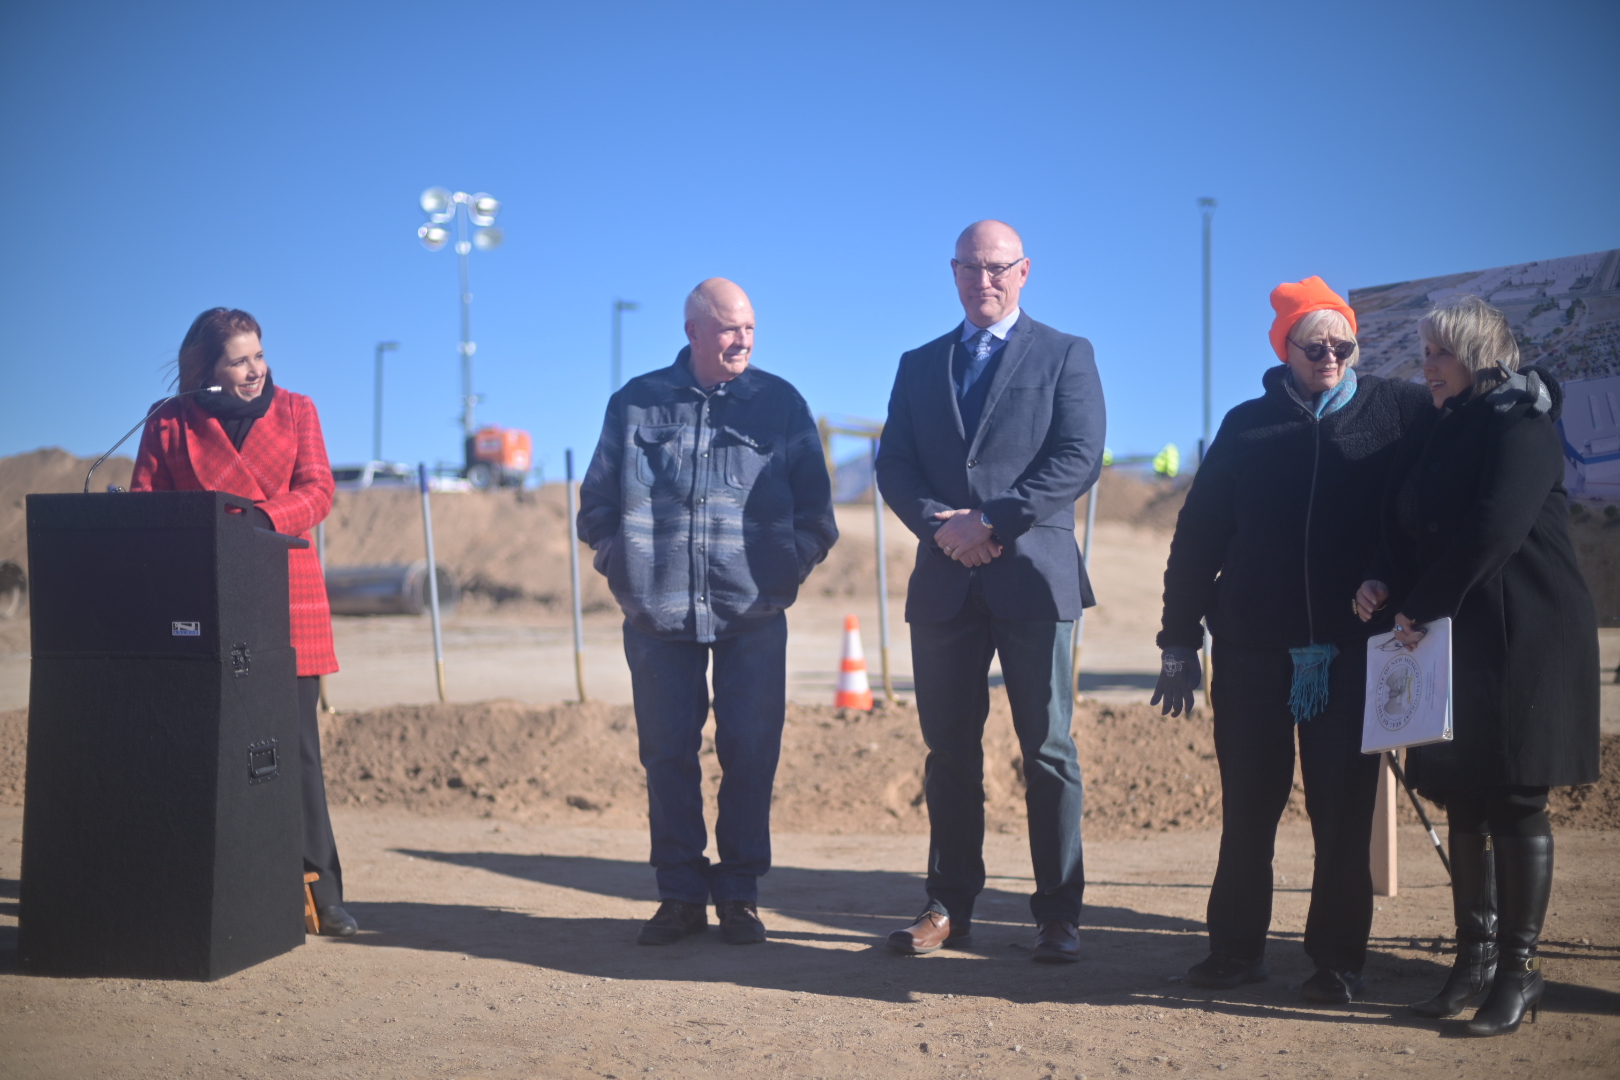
162	829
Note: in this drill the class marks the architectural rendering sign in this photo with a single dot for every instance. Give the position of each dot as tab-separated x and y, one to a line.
1566	314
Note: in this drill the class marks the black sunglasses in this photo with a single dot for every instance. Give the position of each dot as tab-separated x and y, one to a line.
1315	352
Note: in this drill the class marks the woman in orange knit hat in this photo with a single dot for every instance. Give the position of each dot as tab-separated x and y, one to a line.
1270	547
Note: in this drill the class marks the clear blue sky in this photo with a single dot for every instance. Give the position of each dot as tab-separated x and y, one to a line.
157	159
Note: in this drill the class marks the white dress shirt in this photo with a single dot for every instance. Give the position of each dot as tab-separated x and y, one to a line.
998	330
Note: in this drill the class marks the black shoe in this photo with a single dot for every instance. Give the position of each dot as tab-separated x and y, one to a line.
1473	901
1221	973
739	922
674	920
1056	942
335	922
1471	976
1524	869
1517	990
1334	986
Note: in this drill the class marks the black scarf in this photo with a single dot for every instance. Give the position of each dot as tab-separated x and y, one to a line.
235	415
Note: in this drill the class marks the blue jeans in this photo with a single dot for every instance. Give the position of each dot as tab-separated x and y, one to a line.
671	691
951	662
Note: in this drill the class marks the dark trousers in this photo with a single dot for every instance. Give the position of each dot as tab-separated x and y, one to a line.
951	663
1254	743
1509	811
671	691
320	847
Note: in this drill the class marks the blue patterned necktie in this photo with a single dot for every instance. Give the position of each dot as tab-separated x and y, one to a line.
982	345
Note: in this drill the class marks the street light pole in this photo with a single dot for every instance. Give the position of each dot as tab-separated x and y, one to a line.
376	418
468	346
1207	209
619	308
475	213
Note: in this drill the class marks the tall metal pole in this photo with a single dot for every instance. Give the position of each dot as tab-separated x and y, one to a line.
573	574
433	581
376	418
468	401
619	308
1085	563
882	579
1207	209
320	557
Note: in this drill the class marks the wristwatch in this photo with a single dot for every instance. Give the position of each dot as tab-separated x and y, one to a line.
984	520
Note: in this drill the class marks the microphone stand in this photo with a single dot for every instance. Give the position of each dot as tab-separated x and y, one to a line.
144	419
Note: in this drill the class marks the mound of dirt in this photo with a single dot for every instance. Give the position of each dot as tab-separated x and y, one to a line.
512	546
40	472
1137	498
841	771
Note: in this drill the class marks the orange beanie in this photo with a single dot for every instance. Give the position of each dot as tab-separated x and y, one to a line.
1292	300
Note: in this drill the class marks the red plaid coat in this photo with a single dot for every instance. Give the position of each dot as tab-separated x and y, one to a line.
282	467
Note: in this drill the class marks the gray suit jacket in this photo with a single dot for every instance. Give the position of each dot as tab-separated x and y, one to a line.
1038	449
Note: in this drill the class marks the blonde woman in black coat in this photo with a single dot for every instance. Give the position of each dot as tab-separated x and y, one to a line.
1476	528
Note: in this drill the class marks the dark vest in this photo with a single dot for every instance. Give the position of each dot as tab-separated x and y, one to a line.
971	400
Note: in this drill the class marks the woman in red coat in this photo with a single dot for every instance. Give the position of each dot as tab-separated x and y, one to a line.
263	443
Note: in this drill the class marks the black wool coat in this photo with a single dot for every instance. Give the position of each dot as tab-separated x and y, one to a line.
1282	519
1492	551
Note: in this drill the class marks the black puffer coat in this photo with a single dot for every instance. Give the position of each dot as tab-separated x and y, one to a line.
1476	527
1282	519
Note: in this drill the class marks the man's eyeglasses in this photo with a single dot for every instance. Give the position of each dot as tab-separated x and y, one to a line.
1317	351
997	271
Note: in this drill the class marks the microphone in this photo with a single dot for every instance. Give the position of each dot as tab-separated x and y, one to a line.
144	419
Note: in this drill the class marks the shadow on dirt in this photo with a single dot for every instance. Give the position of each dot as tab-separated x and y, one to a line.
1129	956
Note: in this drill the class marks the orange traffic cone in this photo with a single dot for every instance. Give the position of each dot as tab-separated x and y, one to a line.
854	692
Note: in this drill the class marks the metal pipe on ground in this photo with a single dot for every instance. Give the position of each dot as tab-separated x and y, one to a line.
13	589
392	589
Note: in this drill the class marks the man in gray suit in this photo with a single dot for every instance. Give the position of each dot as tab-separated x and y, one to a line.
994	431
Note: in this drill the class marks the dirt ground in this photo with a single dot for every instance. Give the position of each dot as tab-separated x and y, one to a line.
495	855
504	950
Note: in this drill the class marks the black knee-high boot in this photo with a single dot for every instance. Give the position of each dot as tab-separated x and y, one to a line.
1524	868
1473	901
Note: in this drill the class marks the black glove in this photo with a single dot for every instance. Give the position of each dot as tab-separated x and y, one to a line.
1179	675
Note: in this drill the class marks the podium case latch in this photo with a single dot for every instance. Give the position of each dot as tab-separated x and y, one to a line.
262	762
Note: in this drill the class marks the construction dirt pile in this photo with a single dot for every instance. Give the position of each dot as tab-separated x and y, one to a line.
841	771
511	546
42	472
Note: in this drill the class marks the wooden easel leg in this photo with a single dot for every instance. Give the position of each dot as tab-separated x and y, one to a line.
1383	854
312	922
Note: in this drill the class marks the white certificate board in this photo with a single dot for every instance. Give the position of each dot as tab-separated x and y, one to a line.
1408	693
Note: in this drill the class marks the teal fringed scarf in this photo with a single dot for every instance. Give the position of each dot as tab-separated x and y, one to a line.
1309	694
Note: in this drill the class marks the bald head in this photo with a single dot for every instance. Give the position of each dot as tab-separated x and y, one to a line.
990	270
720	329
989	233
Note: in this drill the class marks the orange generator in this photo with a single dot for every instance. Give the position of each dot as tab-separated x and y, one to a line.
498	457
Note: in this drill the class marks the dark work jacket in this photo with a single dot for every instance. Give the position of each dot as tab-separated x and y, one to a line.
706	510
1492	551
1282	519
1037	449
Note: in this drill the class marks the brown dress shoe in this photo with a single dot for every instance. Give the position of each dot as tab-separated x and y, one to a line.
931	931
1057	942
